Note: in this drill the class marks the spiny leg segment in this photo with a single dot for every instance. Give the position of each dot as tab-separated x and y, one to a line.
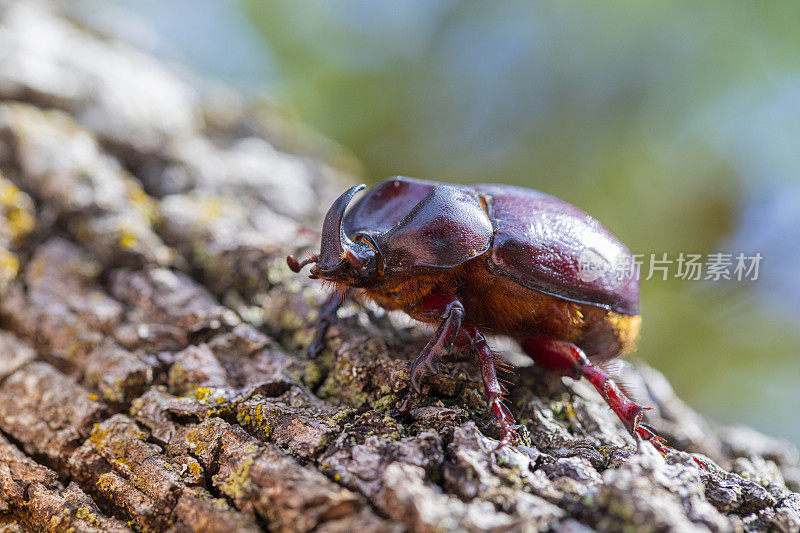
495	392
567	359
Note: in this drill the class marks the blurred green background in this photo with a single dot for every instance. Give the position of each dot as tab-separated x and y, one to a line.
677	124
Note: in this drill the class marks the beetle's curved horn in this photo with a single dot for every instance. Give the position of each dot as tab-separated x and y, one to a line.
334	240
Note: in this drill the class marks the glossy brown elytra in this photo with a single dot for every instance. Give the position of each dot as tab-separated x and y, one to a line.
487	258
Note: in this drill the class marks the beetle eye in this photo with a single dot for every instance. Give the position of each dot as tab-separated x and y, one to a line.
351	257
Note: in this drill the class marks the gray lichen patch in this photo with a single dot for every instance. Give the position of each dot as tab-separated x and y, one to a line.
33	496
17	221
62	166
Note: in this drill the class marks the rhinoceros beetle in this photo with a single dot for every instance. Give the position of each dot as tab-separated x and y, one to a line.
487	259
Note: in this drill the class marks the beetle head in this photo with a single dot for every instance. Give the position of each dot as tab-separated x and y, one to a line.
341	259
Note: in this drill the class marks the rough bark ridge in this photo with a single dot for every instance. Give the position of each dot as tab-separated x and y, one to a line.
152	367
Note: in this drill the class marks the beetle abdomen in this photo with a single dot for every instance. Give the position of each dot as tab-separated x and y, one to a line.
550	246
504	307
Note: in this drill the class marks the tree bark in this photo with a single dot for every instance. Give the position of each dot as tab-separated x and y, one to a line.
153	373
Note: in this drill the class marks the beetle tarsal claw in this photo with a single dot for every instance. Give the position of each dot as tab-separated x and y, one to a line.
404	409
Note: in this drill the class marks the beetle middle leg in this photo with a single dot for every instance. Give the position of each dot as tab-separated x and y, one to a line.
491	386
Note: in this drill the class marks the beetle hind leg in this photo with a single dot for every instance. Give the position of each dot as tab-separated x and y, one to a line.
567	359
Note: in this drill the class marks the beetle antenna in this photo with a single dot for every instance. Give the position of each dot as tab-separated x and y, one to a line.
298	266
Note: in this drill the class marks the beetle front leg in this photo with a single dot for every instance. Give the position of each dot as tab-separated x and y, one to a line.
439	345
327	318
